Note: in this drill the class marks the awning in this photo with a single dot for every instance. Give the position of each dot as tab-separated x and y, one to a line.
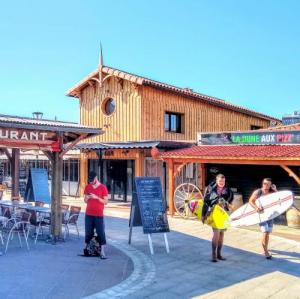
43	134
237	154
134	145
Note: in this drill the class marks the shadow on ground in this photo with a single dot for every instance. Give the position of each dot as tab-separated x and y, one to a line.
187	270
57	271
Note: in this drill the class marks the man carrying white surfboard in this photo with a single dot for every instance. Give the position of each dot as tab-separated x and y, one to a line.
217	193
267	226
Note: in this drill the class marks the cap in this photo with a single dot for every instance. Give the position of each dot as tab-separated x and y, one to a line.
92	175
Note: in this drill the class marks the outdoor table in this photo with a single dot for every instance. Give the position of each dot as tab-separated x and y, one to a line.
9	203
46	210
3	219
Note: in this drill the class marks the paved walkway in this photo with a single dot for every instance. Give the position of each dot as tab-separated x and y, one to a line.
49	271
187	272
56	271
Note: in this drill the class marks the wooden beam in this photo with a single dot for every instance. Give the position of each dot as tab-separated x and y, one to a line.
120	81
96	79
72	144
202	177
178	167
291	173
171	186
56	196
83	172
15	192
7	153
49	155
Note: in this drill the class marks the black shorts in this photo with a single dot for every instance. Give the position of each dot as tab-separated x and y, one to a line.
93	223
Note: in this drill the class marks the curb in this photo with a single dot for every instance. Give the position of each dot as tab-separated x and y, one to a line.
143	274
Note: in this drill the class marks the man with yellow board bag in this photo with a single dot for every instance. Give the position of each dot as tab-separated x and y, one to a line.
217	194
212	211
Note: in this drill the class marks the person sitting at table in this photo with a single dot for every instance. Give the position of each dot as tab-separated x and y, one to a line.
96	197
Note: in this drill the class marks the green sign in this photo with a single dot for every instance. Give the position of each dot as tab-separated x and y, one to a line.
258	137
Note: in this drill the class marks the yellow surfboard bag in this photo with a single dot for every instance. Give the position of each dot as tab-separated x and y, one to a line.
218	218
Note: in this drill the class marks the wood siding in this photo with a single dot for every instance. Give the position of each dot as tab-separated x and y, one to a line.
198	116
140	110
125	123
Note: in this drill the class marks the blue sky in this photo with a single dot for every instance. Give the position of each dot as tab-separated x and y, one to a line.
246	52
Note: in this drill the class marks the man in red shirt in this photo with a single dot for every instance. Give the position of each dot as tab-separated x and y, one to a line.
95	196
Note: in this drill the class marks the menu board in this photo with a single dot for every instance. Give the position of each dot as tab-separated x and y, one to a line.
37	188
151	205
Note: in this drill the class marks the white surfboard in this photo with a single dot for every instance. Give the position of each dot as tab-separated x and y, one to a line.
274	205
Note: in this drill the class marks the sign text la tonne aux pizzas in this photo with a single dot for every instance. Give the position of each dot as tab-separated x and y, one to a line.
23	135
264	138
284	137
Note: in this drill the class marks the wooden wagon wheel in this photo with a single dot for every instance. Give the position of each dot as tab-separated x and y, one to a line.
183	194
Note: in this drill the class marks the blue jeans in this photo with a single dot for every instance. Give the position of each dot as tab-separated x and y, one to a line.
266	226
92	223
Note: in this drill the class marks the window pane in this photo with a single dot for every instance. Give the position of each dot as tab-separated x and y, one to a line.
167	121
178	123
173	122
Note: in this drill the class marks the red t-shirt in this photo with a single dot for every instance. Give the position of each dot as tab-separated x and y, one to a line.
94	207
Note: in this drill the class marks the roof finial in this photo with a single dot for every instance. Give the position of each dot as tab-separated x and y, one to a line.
100	66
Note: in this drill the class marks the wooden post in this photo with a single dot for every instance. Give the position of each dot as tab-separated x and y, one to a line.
56	196
139	164
171	187
83	172
202	179
15	194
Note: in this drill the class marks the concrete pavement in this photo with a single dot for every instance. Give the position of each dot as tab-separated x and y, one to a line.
57	272
49	271
187	271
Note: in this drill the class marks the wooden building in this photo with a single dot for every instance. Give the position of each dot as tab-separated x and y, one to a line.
132	108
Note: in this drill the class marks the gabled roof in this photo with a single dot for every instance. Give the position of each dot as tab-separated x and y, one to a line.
73	92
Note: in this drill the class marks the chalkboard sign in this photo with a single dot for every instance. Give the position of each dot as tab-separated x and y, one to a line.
136	217
151	205
37	188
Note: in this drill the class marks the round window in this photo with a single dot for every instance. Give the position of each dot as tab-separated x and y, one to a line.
108	106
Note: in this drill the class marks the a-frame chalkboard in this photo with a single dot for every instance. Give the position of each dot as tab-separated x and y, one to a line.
37	188
148	208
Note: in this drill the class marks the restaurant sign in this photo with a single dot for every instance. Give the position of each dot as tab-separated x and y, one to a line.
251	138
23	135
28	138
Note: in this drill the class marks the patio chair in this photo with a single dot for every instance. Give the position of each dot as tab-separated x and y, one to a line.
19	226
5	212
72	220
3	221
38	222
64	211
